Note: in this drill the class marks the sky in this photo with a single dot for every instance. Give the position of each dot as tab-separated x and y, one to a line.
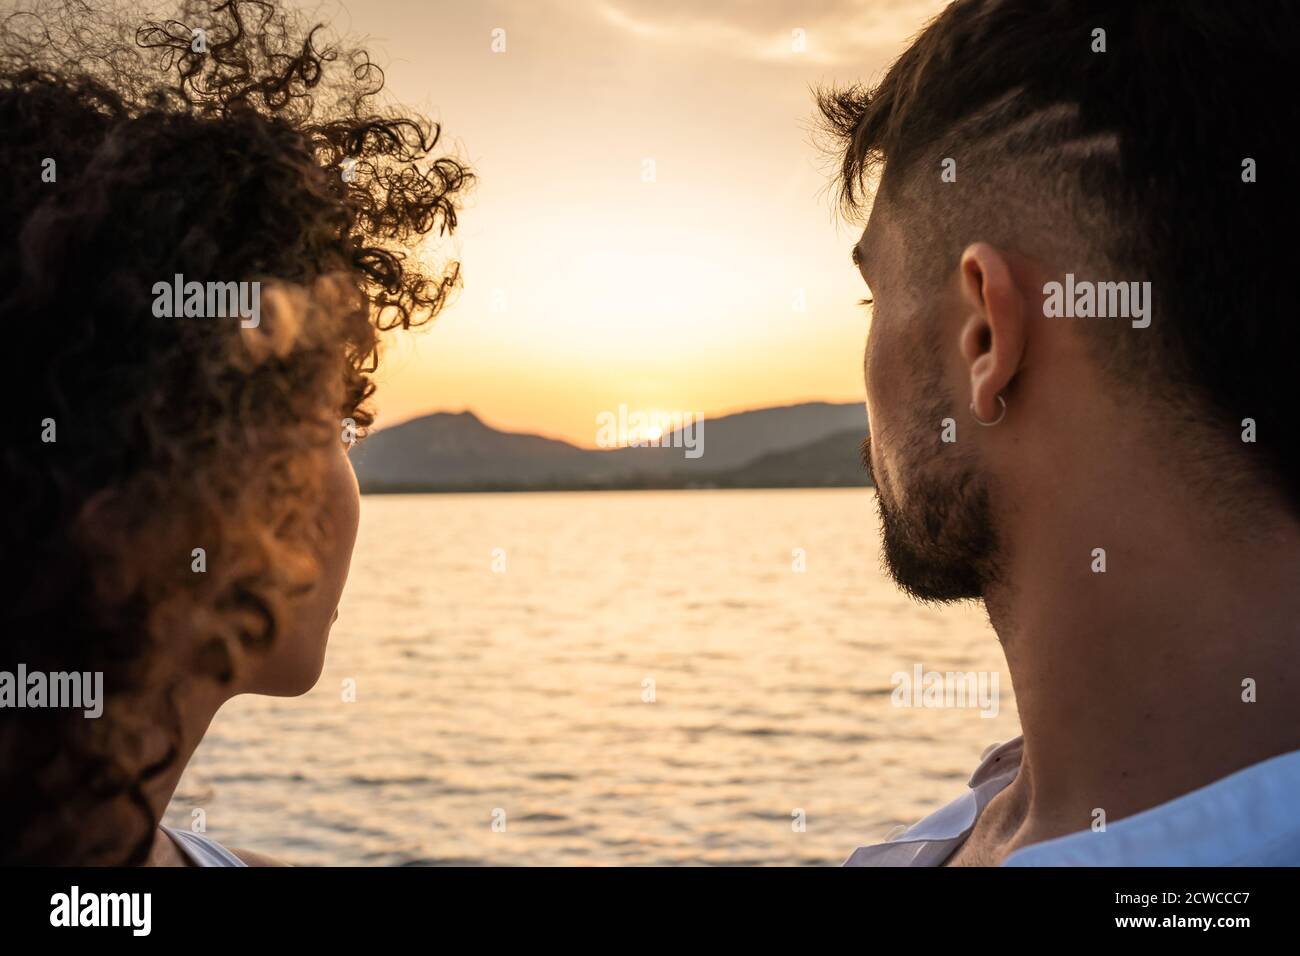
652	225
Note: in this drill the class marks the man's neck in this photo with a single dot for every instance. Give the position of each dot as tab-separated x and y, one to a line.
1134	685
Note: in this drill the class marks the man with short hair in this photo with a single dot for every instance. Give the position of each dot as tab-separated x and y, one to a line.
1081	388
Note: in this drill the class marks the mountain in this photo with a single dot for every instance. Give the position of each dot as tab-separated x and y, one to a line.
731	441
813	443
831	462
458	449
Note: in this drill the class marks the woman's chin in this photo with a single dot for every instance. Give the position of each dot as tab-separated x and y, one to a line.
291	676
308	678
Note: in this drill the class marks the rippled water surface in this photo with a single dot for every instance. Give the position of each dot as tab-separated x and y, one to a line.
519	695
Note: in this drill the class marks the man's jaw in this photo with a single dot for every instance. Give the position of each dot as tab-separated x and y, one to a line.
865	452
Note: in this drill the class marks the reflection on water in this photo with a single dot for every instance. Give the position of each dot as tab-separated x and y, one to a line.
522	691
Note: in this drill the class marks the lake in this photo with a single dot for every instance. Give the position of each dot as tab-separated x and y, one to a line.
655	678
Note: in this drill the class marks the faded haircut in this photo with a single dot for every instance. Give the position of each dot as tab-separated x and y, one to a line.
1129	163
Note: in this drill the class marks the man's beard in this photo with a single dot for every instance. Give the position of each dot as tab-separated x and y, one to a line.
942	546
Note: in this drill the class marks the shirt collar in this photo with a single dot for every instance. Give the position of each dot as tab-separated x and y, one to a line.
1248	818
933	839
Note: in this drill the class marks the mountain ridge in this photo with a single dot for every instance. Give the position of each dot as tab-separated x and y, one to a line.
458	451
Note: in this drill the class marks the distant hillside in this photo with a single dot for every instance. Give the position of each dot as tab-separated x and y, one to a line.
460	450
831	462
813	444
731	441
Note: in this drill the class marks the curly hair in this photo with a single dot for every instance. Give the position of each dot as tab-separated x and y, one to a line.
232	144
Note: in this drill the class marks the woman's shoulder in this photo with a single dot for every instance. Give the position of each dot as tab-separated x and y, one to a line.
252	858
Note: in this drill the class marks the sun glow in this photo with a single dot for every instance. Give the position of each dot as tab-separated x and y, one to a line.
617	250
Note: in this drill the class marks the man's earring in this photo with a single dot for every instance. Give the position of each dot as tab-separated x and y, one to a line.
1001	415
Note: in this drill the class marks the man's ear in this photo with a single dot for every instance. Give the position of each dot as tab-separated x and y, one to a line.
994	328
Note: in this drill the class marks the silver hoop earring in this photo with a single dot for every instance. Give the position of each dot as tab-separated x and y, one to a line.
1001	415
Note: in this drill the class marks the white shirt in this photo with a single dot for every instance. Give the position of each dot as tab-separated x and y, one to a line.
201	850
1248	818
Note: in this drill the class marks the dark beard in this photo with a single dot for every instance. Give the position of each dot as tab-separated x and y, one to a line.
943	547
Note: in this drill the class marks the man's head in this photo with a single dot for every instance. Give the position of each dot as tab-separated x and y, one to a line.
1134	153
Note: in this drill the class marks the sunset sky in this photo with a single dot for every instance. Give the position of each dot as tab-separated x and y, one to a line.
587	287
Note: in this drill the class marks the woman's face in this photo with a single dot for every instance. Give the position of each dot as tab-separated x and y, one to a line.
294	661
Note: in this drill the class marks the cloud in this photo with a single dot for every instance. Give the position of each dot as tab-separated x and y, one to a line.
829	32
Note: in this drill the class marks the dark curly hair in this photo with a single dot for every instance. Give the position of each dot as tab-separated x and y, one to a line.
230	143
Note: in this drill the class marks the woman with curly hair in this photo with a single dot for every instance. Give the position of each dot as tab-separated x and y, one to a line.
182	509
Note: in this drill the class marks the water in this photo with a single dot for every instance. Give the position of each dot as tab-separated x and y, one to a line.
522	691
